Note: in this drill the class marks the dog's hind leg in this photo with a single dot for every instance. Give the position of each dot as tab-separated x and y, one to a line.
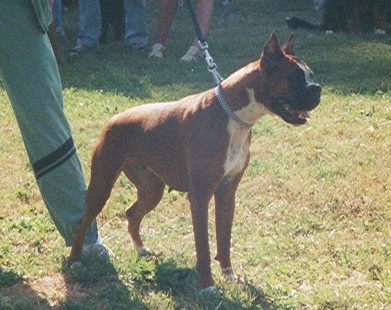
105	169
149	192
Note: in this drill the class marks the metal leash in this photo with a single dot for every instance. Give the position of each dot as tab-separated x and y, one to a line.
212	68
211	65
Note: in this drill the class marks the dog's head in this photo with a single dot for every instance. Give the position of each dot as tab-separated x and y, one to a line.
288	90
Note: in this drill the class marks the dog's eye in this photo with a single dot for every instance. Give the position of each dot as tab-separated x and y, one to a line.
308	74
297	78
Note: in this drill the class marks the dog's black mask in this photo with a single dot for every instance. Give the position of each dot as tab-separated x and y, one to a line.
291	91
304	96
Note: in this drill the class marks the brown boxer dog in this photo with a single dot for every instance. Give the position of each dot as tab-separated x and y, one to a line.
199	145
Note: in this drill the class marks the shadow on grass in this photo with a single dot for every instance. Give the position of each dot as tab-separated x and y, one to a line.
94	283
350	64
114	70
180	284
345	63
16	293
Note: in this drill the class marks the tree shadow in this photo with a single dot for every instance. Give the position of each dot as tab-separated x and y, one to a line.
358	64
111	69
115	68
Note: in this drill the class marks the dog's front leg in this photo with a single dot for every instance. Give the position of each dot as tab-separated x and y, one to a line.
224	214
199	201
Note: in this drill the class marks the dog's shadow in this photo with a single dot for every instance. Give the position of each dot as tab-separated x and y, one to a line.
95	281
180	284
16	292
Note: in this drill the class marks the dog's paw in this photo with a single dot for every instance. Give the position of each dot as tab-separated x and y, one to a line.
209	290
72	259
75	265
229	275
144	251
234	278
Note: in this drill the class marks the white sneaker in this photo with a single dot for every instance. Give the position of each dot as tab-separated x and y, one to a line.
157	51
96	249
192	54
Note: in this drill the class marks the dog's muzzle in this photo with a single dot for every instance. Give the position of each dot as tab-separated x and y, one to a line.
314	91
295	110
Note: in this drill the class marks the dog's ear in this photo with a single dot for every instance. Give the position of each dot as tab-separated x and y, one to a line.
288	46
272	53
271	45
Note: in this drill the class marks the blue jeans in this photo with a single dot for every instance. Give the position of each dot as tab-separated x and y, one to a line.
135	27
90	22
57	17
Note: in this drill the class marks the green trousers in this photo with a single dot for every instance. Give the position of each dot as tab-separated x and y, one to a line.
31	79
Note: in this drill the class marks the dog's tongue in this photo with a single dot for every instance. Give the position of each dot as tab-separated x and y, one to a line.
304	115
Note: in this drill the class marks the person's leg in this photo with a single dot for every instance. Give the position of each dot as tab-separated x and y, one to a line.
135	27
30	75
90	23
57	17
204	12
105	6
118	19
167	12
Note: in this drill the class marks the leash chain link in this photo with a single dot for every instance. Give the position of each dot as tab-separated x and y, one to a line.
227	109
212	68
211	65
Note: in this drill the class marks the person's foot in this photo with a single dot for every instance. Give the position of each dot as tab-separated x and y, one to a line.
97	249
157	51
138	47
226	2
78	50
192	54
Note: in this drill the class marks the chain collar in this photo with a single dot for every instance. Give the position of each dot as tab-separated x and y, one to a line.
229	112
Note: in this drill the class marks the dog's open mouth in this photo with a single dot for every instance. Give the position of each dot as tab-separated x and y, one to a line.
288	113
295	116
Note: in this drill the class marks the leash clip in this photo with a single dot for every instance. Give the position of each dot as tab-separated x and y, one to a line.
209	60
211	65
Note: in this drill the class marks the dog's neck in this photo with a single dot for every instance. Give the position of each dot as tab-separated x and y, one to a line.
239	93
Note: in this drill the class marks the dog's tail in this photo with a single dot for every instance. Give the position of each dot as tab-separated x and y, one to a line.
295	22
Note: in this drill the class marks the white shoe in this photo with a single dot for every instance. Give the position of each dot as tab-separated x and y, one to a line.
192	54
157	51
96	249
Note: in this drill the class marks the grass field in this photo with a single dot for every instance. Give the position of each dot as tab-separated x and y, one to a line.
312	227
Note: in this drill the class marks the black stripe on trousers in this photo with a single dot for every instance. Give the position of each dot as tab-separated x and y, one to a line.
54	159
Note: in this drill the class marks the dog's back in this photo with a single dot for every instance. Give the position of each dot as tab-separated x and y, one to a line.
163	132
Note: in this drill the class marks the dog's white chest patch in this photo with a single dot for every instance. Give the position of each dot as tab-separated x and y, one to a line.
238	150
253	111
239	144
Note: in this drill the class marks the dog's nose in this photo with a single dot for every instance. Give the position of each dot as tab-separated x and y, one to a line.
315	91
314	87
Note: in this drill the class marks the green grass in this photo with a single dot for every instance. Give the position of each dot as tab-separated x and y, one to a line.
312	225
